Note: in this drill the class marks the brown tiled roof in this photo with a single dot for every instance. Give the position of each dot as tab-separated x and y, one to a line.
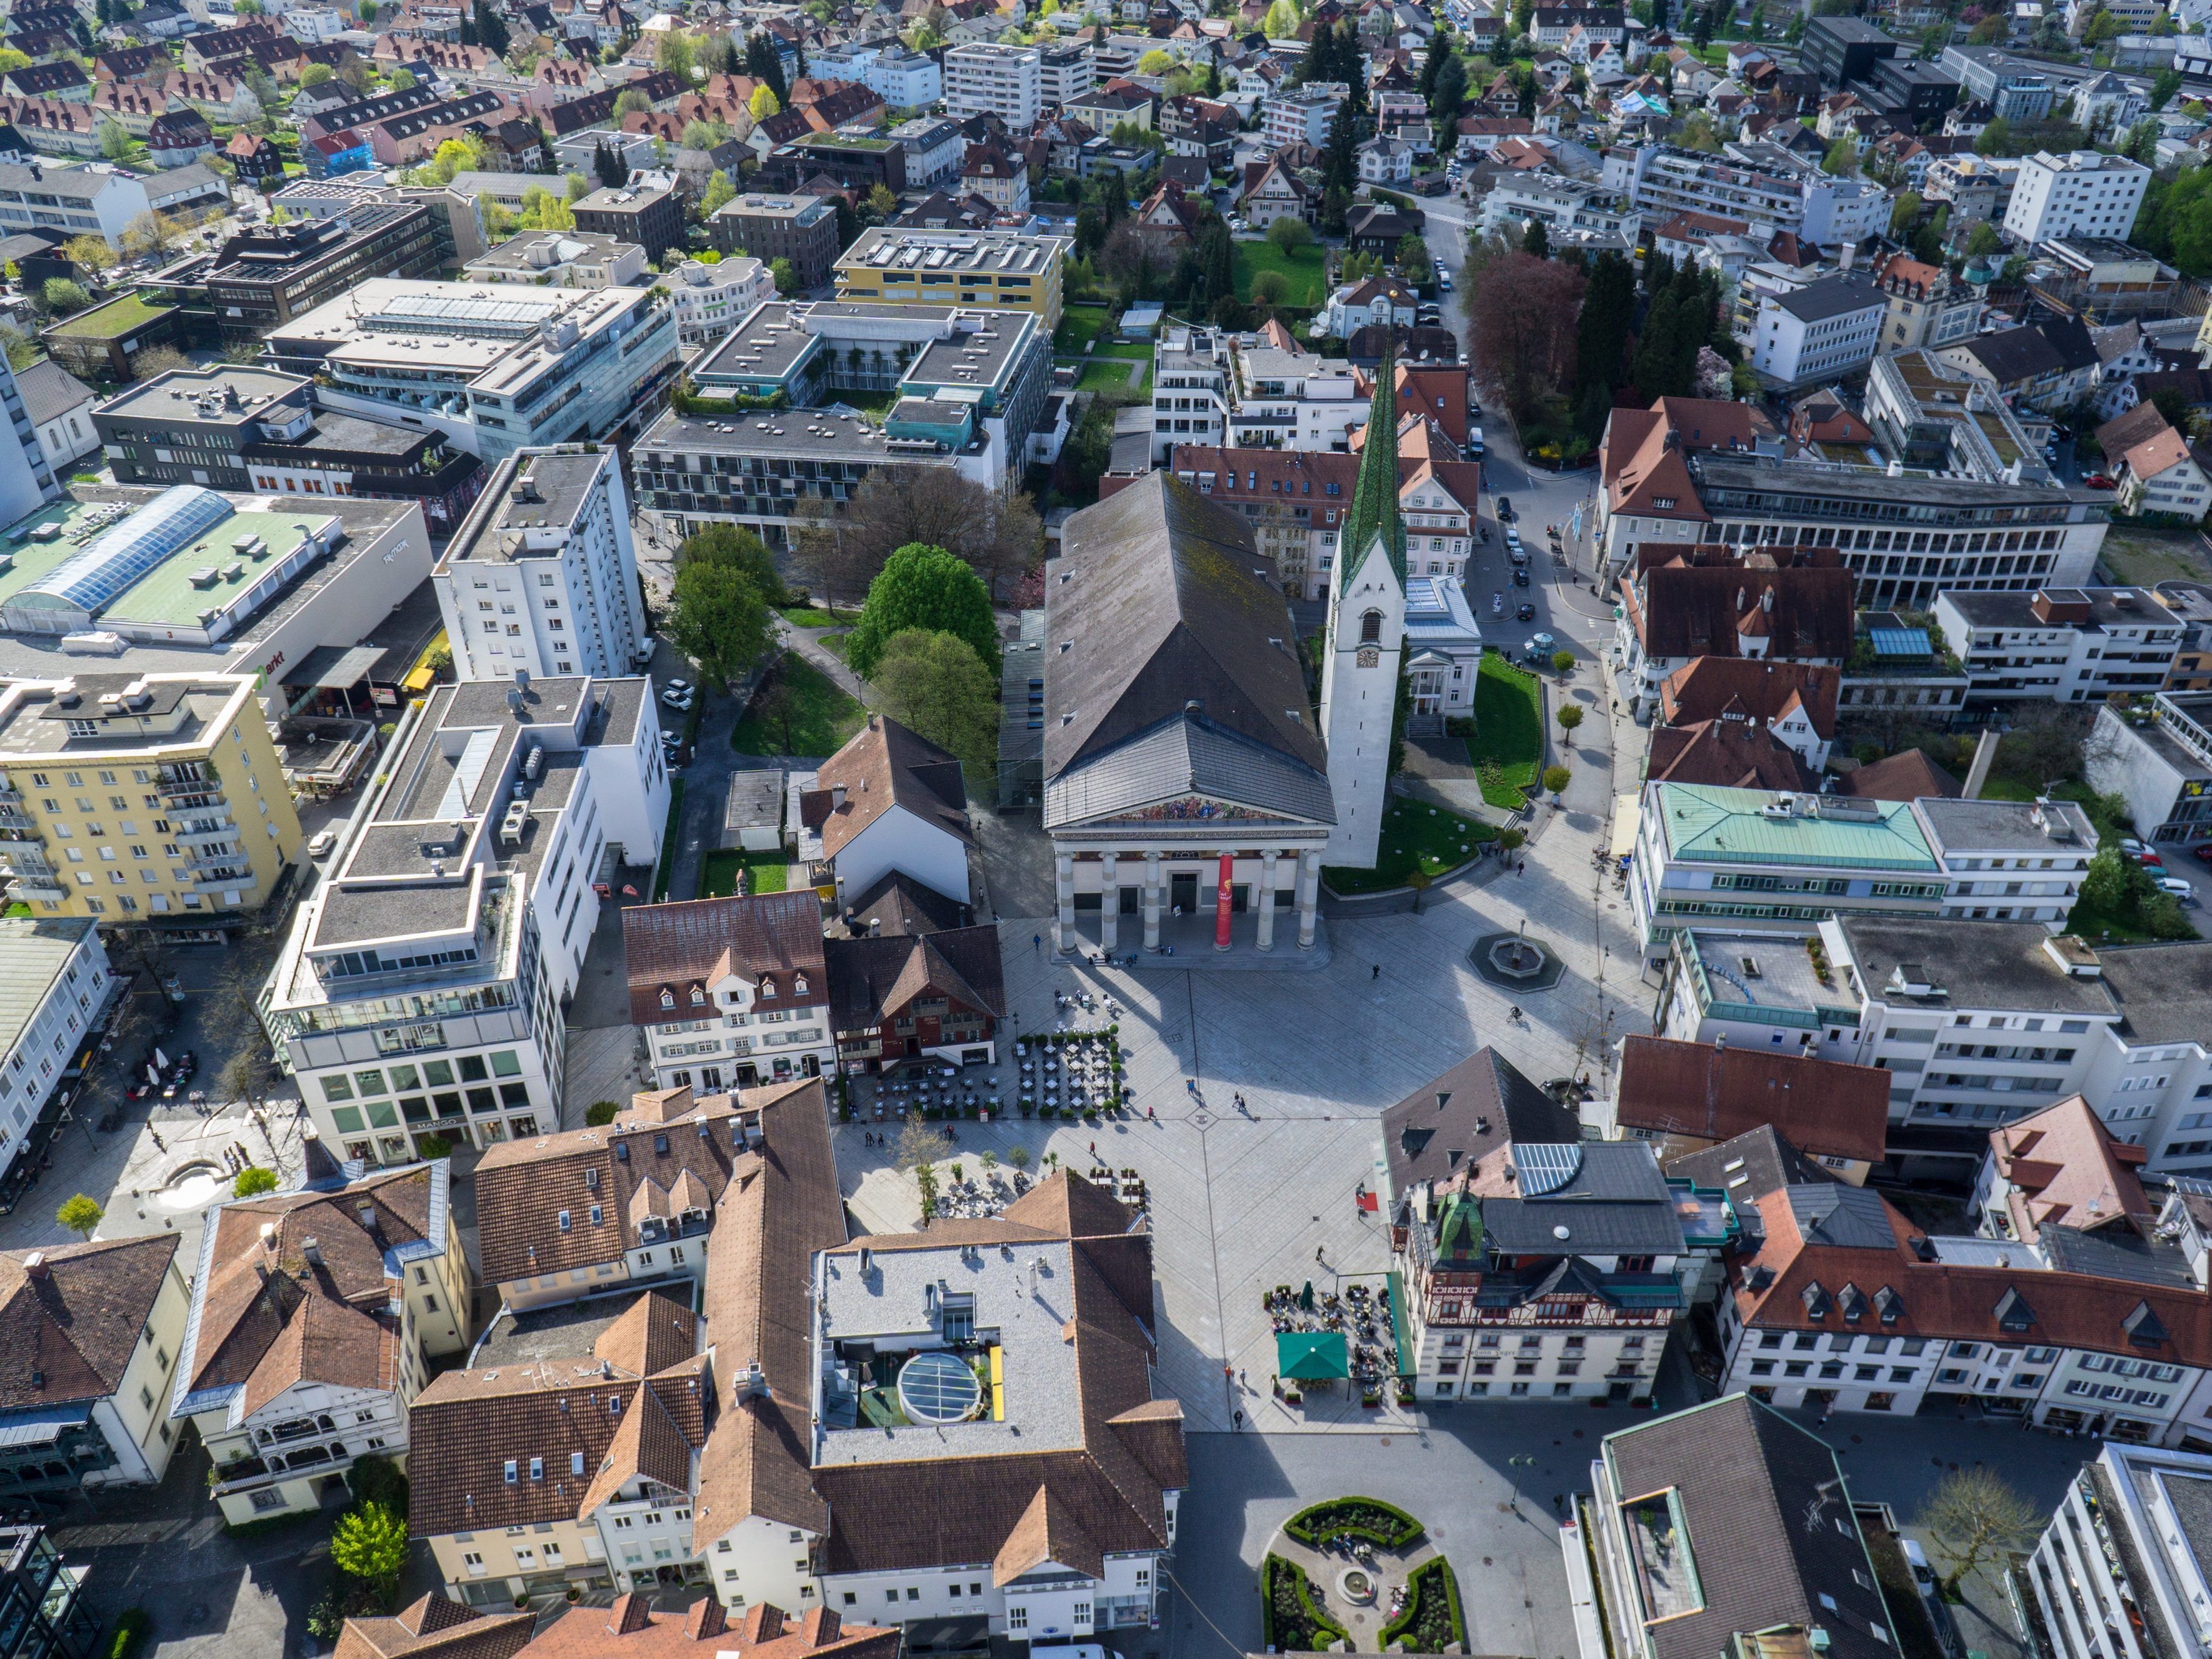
70	1317
523	1186
1907	776
599	1408
436	1628
872	979
675	948
2122	433
1462	1115
1699	611
1824	1107
1752	688
1727	754
2067	1171
268	1317
782	1206
630	1630
884	766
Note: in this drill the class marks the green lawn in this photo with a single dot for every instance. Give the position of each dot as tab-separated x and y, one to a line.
717	876
1078	326
117	316
839	645
808	616
821	716
1305	269
1506	747
1415	836
1108	374
878	403
1137	351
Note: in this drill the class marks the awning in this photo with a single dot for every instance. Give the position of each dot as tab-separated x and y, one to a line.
1400	1325
41	1428
421	680
1311	1356
1627	819
328	665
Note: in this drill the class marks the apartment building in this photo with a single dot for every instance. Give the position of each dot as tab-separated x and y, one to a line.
274	273
2066	644
1925	306
1211	387
800	228
1574	212
314	1315
1680	606
2160	473
1761	183
2162	763
1065	74
902	79
711	300
2016	89
559	259
1002	269
542	575
150	798
98	1326
1933	414
496	368
1302	114
648	215
96	199
420	990
731	992
2124	1565
1496	1309
985	78
60	985
1817	333
933	147
2084	194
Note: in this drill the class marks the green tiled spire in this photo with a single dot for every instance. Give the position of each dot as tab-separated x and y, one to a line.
1374	511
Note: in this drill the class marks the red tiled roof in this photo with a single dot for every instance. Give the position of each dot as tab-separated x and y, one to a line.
1727	755
1824	1107
1752	689
2065	1168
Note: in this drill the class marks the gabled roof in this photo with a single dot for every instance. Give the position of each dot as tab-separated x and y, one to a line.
1752	690
885	765
1727	754
631	1629
1828	1107
1457	1119
71	1316
433	1627
2066	1170
1908	774
870	979
773	937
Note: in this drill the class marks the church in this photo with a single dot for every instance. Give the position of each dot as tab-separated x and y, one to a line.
1185	771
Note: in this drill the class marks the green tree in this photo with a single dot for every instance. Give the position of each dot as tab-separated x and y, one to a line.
115	143
720	193
1555	779
491	28
1282	20
370	1542
253	1180
1996	138
92	252
926	587
764	103
607	162
677	54
63	296
1570	716
719	620
2105	885
2164	85
738	550
1842	160
1536	240
632	102
1289	233
80	1214
1440	53
1698	133
1904	215
600	1113
402	79
1270	288
936	685
316	73
1983	241
1448	95
785	275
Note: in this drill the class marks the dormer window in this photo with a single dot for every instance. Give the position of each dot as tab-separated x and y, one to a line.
767	987
799	985
667	998
1665	503
698	997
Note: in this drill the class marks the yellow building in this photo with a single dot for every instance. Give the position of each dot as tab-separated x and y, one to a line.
999	268
142	798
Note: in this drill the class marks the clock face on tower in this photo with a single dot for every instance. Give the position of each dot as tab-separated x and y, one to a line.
1370	658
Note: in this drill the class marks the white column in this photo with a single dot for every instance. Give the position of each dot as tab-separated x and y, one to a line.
1063	920
1109	904
1309	896
1152	901
1267	861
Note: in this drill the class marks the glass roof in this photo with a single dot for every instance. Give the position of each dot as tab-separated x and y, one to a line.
939	1387
127	552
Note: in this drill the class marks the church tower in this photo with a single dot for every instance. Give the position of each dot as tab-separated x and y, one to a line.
1366	638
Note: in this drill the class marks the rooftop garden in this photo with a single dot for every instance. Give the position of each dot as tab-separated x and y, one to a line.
113	321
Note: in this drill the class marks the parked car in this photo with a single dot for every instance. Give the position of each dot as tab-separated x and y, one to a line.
679	700
1520	575
2201	852
321	846
2174	887
1527	612
1505	509
2099	481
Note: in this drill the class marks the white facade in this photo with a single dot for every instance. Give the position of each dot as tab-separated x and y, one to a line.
55	984
1360	688
733	1030
2084	193
902	79
989	79
27	466
1301	115
2127	646
544	583
711	299
1818	332
2128	1536
1069	72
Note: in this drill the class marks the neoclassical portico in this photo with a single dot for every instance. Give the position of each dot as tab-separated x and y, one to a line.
1183	767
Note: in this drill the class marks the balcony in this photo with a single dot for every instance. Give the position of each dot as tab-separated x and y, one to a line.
241	879
41	891
209	837
12	817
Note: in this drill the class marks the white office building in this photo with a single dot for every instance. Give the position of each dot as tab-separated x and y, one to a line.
902	79
989	79
2063	644
2124	1569
1301	115
542	574
422	988
55	984
2084	193
1811	335
1069	72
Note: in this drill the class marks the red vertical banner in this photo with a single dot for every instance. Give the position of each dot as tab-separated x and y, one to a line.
1223	899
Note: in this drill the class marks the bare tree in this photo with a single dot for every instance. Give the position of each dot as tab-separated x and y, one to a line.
921	1145
2045	742
1974	1517
998	534
1523	336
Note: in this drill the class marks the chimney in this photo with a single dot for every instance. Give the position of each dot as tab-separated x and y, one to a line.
36	1265
312	1250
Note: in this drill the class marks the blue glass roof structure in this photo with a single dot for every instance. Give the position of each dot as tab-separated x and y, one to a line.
936	1386
1901	642
127	552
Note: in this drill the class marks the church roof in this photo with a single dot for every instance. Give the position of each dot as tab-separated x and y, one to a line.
1373	515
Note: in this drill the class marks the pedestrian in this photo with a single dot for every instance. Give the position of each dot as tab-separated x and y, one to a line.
1094	1149
1240	1377
1377	971
1317	1252
1240	1421
1521	868
1036	943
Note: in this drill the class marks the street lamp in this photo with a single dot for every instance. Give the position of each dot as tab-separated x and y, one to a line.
1514	1495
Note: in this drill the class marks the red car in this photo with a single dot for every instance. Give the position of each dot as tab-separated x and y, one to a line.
2099	481
2149	860
2201	852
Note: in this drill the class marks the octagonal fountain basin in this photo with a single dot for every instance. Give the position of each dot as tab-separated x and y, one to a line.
193	1187
1356	1585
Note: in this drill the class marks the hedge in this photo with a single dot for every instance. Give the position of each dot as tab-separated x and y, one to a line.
1370	1518
1432	1592
131	1627
1286	1581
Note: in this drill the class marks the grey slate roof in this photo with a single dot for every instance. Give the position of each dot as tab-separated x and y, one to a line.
1462	1117
50	390
1618	1202
1160	601
2164	991
1835	1213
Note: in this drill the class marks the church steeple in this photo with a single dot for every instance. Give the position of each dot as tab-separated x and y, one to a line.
1374	510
